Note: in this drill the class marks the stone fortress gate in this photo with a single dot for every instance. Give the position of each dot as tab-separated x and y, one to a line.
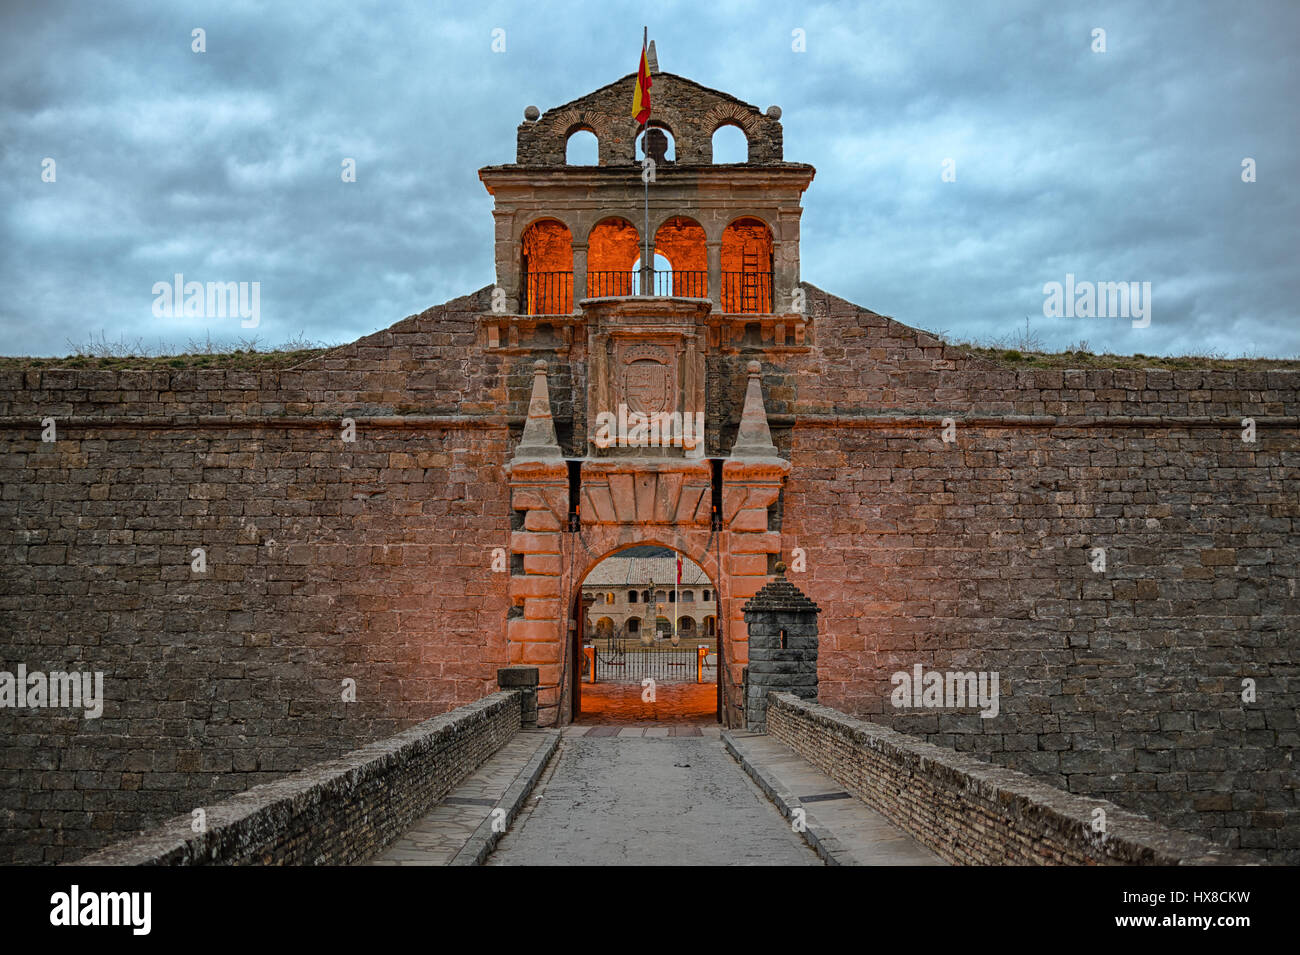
943	511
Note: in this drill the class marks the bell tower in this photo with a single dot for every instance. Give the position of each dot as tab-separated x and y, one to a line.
639	298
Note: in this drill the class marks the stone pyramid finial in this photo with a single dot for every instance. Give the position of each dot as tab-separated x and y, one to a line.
538	442
754	439
651	59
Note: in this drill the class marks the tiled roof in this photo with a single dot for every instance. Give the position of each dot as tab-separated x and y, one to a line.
645	571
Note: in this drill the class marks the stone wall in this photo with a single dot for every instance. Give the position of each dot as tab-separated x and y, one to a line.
973	813
339	812
370	561
326	561
978	555
690	112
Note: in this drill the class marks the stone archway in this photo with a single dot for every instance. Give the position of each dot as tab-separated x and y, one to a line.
716	512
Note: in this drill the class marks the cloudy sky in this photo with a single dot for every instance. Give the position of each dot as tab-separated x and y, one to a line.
225	165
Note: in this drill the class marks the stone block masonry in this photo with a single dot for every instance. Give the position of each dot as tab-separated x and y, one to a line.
338	812
326	561
971	812
372	561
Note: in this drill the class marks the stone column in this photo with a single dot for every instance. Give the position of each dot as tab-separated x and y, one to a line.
782	625
715	273
539	486
507	257
579	273
785	260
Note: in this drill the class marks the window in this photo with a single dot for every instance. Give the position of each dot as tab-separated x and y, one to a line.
706	596
730	144
582	148
634	625
609	598
631	596
688	596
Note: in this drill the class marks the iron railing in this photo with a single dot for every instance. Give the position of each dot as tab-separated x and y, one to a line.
622	659
606	284
679	282
747	293
546	293
682	283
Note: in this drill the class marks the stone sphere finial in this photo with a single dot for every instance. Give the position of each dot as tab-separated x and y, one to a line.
754	368
539	367
774	112
780	567
532	113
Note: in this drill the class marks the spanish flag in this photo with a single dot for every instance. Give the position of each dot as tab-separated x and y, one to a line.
641	94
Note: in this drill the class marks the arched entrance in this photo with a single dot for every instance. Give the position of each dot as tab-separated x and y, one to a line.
643	661
568	515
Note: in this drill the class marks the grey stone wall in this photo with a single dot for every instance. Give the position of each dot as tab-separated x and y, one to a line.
691	112
974	813
339	812
1124	683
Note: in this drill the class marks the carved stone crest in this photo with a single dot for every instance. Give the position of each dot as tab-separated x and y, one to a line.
647	386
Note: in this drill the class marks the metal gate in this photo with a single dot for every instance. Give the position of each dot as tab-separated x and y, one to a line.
620	659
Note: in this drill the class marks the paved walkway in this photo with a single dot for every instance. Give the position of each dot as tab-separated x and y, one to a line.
657	794
845	830
459	830
632	798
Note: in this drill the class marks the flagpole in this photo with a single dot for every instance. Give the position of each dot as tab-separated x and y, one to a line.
677	594
648	257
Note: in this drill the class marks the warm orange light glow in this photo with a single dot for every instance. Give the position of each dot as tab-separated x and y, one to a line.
612	247
681	241
746	266
546	258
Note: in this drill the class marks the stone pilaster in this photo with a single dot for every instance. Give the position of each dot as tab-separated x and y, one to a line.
751	484
539	488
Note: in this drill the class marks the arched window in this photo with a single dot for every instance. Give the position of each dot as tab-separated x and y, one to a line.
633	625
659	596
631	596
582	148
546	269
612	246
688	596
680	240
730	144
706	596
747	267
609	598
662	144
